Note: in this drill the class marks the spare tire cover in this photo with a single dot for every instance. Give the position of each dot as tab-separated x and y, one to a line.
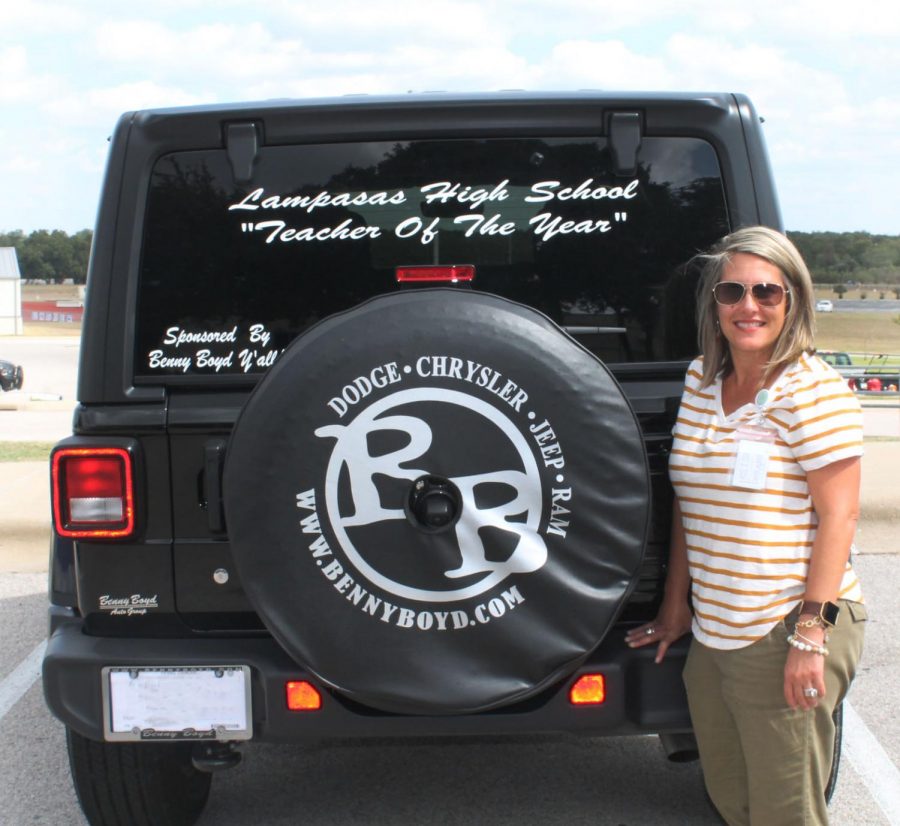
531	520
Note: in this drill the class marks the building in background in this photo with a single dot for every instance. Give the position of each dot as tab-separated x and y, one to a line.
10	293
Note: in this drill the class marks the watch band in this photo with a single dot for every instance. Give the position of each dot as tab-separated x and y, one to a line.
827	612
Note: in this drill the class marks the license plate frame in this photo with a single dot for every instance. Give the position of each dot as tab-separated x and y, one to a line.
175	703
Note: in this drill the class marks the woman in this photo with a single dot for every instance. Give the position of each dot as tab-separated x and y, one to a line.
765	465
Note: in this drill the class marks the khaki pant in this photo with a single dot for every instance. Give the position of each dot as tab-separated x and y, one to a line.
765	764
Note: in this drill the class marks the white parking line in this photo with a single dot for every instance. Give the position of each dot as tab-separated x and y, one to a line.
872	764
22	677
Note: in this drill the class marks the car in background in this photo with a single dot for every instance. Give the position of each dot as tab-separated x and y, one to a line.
835	358
823	305
11	376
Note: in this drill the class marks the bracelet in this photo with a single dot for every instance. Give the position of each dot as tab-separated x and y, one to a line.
807	646
810	623
798	636
805	625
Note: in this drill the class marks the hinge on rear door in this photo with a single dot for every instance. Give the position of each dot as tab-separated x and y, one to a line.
624	141
242	144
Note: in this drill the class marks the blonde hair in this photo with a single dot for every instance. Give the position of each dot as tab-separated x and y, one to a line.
797	336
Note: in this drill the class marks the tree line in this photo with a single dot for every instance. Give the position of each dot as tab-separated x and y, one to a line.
50	255
851	258
839	258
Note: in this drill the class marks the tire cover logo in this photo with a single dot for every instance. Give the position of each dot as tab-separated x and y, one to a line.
353	499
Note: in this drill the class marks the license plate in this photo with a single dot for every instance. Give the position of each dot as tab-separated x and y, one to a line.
177	703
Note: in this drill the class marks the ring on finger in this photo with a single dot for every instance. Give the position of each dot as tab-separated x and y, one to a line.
650	631
811	692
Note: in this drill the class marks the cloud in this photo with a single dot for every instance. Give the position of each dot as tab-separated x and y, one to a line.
17	81
765	20
765	70
606	64
218	50
834	20
817	71
472	69
257	63
25	18
439	24
102	106
22	162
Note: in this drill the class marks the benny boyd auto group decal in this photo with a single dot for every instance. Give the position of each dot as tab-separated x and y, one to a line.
387	430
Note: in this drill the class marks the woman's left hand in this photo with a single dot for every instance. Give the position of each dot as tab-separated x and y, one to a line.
803	670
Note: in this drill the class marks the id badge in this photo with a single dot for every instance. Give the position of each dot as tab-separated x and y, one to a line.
751	458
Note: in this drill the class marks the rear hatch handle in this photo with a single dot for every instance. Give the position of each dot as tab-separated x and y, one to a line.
213	466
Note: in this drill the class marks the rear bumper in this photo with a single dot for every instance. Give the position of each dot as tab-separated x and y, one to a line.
642	697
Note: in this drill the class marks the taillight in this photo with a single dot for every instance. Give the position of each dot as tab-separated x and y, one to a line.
93	492
302	696
451	273
588	690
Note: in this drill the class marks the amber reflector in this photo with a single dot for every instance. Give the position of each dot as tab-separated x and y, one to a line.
589	689
302	696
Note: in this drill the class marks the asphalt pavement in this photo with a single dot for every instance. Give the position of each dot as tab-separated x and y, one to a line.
452	782
874	305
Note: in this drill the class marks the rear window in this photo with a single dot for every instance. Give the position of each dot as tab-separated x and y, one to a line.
230	275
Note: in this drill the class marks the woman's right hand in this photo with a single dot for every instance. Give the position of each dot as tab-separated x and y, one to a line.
671	624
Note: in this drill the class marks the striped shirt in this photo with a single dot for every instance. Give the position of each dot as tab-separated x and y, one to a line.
748	550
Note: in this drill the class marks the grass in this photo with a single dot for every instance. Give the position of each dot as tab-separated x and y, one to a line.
51	292
25	451
858	332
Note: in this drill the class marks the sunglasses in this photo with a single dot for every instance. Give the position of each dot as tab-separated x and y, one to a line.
732	292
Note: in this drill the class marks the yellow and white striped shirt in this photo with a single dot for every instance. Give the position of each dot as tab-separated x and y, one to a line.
748	550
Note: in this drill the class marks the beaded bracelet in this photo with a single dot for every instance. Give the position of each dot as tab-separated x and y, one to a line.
807	646
799	636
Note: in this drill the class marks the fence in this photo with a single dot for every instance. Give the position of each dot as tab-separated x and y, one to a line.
58	312
869	374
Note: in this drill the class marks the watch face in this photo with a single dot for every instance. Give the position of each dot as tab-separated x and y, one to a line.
830	613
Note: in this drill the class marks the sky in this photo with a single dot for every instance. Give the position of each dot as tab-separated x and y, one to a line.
825	75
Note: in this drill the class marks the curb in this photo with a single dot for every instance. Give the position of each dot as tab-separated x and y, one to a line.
19	401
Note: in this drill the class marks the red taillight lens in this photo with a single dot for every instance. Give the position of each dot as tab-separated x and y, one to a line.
93	494
588	690
437	273
302	696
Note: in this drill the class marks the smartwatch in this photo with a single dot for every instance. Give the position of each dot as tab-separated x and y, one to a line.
825	611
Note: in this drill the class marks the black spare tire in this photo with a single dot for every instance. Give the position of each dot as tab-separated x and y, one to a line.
437	501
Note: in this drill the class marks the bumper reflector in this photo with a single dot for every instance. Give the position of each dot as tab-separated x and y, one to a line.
588	689
302	696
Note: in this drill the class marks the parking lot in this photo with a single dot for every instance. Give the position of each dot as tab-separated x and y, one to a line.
540	780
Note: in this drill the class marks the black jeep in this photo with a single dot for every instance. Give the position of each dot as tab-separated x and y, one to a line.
375	402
